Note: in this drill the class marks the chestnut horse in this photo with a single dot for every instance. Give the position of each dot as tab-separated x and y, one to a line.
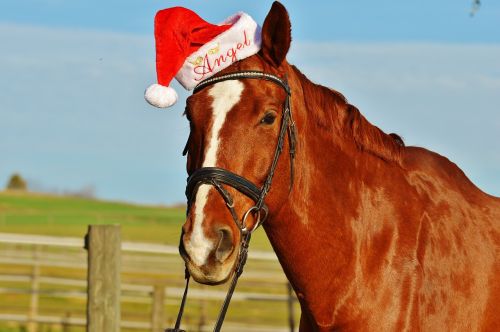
373	235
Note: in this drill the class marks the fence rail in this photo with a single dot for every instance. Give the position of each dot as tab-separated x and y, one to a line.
70	321
152	278
138	247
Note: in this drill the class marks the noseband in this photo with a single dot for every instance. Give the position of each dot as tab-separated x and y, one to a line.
218	177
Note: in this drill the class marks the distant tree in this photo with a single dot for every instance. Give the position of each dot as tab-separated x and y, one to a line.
16	182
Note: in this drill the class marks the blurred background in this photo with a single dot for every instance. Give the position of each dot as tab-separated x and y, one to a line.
79	145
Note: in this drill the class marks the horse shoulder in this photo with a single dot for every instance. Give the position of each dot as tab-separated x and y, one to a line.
459	244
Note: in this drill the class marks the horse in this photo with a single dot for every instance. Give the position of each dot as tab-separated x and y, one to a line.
372	234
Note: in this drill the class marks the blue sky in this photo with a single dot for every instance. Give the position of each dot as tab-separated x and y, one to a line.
74	72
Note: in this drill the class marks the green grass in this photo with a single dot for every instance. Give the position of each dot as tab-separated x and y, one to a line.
30	213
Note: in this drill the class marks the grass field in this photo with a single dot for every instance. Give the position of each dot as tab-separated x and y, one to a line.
30	213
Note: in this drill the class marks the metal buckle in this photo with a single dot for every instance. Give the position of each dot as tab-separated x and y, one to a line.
254	209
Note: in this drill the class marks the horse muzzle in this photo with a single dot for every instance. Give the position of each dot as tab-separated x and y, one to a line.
218	265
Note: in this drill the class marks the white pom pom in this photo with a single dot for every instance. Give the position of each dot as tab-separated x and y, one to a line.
160	96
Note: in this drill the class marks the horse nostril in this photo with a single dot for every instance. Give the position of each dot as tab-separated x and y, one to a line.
225	245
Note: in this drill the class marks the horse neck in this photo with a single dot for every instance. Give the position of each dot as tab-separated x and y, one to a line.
311	234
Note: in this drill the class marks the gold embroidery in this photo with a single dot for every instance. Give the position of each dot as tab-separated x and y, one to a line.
198	61
214	50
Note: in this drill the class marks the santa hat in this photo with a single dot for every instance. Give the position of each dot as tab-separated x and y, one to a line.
191	49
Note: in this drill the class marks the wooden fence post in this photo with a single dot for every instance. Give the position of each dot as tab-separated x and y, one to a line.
158	309
66	324
35	291
103	243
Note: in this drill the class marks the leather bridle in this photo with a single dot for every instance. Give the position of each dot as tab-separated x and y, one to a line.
218	177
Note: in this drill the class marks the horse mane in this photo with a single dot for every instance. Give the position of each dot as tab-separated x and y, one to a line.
349	120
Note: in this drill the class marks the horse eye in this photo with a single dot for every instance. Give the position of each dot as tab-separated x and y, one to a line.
268	118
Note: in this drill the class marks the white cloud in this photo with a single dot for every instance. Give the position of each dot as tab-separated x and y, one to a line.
72	111
451	67
441	96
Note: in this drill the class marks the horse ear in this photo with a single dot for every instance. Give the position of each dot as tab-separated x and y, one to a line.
276	35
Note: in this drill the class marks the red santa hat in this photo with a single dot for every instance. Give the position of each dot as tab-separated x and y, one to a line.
191	49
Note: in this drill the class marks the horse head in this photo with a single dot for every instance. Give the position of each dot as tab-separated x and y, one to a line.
235	125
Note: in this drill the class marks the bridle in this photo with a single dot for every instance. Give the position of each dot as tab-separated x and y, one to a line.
218	177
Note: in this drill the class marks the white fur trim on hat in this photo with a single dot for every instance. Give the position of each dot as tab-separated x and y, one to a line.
160	96
242	40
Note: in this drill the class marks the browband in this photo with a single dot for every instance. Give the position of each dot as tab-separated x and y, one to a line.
243	74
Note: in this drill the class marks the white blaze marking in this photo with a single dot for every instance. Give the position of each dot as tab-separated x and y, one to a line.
225	95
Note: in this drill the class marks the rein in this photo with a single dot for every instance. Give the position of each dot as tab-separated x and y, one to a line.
218	177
